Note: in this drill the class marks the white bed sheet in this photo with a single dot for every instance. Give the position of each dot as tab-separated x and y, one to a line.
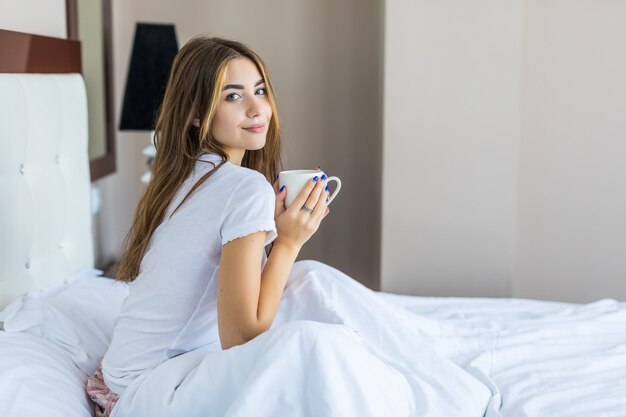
493	357
52	340
540	358
37	378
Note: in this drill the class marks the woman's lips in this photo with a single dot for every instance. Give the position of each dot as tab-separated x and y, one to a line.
255	128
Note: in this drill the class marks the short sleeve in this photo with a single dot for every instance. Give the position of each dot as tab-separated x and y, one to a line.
250	209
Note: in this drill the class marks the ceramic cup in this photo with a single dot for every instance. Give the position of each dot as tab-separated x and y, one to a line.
295	180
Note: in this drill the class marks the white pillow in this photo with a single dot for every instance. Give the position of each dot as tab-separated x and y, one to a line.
54	339
77	316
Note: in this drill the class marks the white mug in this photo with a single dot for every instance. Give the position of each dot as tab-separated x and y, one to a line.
295	181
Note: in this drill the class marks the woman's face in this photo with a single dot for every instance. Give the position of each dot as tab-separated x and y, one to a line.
244	111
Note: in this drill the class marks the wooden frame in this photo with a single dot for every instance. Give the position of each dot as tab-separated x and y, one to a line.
104	165
28	53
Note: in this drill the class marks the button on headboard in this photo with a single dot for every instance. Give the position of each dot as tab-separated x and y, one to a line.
45	216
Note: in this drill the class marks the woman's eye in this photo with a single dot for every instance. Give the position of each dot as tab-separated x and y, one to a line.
232	97
261	91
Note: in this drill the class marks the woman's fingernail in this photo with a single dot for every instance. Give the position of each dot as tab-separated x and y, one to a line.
327	200
319	167
327	188
315	178
323	177
276	177
281	189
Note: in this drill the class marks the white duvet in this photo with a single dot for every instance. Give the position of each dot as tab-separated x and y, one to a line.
540	358
335	349
339	349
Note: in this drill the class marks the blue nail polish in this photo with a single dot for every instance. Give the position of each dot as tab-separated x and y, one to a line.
327	189
327	200
276	177
323	177
281	189
315	178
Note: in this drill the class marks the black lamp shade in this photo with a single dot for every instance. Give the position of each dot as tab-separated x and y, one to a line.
154	49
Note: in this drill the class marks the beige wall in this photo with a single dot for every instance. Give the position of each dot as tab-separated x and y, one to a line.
325	61
503	139
571	233
41	17
451	132
504	144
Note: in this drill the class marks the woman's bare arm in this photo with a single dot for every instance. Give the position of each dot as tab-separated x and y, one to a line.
247	298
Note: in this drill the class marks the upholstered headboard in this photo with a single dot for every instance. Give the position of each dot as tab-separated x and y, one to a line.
45	216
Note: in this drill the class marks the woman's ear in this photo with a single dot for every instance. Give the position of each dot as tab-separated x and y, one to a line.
196	122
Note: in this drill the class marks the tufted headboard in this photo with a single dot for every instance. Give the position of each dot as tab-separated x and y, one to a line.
45	216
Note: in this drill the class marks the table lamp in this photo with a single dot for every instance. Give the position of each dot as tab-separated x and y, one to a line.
154	49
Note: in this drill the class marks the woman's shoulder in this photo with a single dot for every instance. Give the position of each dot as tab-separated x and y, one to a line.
251	181
238	178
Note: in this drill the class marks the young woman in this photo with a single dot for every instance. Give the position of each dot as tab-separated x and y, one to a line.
201	282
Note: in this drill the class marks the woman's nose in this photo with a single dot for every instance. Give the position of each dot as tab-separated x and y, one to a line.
256	108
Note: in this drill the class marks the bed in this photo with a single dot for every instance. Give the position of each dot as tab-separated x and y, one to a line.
56	311
534	358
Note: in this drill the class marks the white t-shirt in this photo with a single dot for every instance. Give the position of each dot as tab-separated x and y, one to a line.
172	305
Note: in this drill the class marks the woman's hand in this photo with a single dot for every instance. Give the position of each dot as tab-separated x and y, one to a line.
294	225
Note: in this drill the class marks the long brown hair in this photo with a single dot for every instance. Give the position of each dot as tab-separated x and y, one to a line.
193	89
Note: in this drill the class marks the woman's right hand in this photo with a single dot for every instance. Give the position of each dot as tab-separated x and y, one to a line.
294	225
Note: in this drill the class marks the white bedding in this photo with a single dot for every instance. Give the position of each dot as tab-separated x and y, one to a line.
52	340
336	348
540	358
